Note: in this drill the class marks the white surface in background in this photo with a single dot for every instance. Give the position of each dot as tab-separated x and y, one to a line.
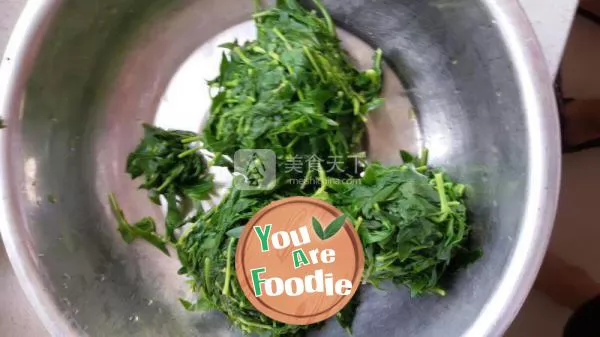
551	20
186	102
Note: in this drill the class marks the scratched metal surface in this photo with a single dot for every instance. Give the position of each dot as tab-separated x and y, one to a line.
16	315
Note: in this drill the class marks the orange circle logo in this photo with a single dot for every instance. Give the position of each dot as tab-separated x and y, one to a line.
299	261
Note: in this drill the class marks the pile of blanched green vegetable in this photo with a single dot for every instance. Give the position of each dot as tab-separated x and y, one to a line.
294	91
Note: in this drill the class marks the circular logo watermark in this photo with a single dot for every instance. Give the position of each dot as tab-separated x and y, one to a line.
299	260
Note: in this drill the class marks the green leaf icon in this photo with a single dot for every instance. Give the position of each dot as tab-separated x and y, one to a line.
331	229
318	228
335	226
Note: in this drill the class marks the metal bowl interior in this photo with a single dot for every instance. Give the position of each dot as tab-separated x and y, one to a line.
80	76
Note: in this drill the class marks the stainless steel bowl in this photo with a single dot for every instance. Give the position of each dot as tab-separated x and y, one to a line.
79	76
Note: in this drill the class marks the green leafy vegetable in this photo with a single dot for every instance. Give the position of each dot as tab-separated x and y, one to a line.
144	229
346	315
206	252
292	90
172	169
411	220
236	232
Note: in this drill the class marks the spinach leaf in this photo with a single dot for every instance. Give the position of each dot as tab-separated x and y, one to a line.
144	229
171	168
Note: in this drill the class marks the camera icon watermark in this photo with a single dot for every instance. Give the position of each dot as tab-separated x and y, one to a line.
255	169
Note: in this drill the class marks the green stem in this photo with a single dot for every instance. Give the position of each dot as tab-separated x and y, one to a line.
243	57
281	86
439	182
422	169
117	211
292	143
367	273
377	61
166	183
188	152
323	180
259	15
259	50
207	266
356	105
424	157
275	57
459	190
256	325
439	291
327	17
359	222
191	139
306	178
280	35
228	270
312	61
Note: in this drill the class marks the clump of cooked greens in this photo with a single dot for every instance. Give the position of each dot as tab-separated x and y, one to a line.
411	220
172	169
293	91
207	253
